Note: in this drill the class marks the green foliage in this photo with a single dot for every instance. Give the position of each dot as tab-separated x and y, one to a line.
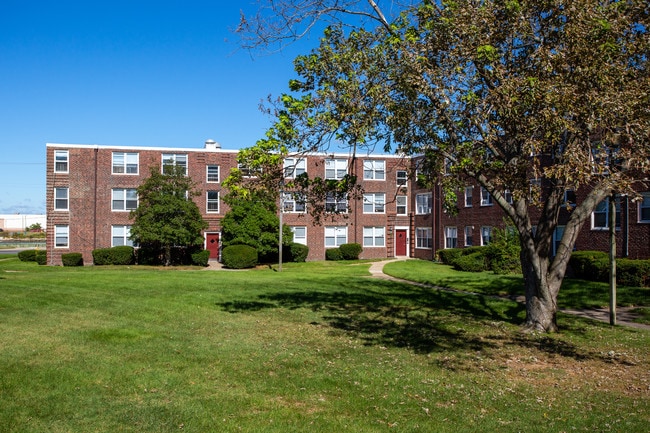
72	259
239	256
594	266
41	257
504	252
474	262
27	255
350	251
254	222
449	255
296	252
120	255
166	215
201	258
333	254
635	273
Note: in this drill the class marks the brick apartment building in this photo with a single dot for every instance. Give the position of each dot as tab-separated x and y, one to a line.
92	189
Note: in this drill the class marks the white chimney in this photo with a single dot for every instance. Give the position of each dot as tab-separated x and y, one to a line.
212	145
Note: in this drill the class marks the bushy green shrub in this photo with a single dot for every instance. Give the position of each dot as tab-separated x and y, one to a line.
503	253
41	257
201	258
122	255
333	254
296	252
27	255
350	251
72	259
474	262
449	255
239	257
590	265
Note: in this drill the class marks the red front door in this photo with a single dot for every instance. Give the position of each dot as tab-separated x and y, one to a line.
400	242
212	244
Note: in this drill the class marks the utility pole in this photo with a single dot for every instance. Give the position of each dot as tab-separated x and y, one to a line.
612	260
280	232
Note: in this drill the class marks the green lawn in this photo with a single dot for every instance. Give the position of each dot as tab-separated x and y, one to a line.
319	347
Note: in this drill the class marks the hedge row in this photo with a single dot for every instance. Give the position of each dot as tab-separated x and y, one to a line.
38	256
122	255
239	257
344	252
594	266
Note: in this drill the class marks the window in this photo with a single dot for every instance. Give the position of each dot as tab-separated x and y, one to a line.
61	161
569	198
212	202
401	204
423	237
374	202
293	202
125	199
535	189
600	215
402	178
299	234
486	198
336	236
120	236
469	192
248	171
125	163
336	202
423	204
451	237
486	235
374	237
170	160
644	208
335	168
294	167
468	236
61	236
61	198
508	196
374	170
557	237
212	174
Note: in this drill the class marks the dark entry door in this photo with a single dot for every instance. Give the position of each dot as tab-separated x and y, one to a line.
400	242
212	241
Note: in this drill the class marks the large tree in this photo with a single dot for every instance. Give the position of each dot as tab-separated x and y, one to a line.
498	91
166	216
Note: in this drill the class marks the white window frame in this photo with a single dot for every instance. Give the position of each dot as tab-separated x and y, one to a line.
124	199
603	208
469	195
374	202
122	232
402	177
336	169
61	157
299	239
335	204
486	235
374	169
174	160
63	200
399	206
423	204
248	172
211	201
210	177
557	237
469	236
423	238
451	237
335	236
644	205
507	195
61	236
569	196
129	161
294	167
374	237
293	202
486	197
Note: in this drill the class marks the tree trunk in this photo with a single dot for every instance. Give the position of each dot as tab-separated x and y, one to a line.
168	255
541	294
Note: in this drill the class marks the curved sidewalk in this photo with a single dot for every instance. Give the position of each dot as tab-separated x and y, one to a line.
624	316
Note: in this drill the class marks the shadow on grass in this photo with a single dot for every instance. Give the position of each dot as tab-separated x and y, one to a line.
424	320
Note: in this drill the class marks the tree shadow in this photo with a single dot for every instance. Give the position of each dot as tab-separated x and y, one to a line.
424	320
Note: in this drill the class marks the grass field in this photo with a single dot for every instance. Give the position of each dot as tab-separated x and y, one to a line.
319	347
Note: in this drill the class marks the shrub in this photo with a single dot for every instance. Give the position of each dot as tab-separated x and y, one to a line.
333	254
503	253
41	257
590	265
239	257
635	273
350	251
450	255
201	258
474	262
296	252
122	255
27	255
72	259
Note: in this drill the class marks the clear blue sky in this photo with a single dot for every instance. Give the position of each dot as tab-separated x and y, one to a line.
128	73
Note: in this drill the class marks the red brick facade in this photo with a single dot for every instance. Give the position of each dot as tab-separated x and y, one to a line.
88	204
